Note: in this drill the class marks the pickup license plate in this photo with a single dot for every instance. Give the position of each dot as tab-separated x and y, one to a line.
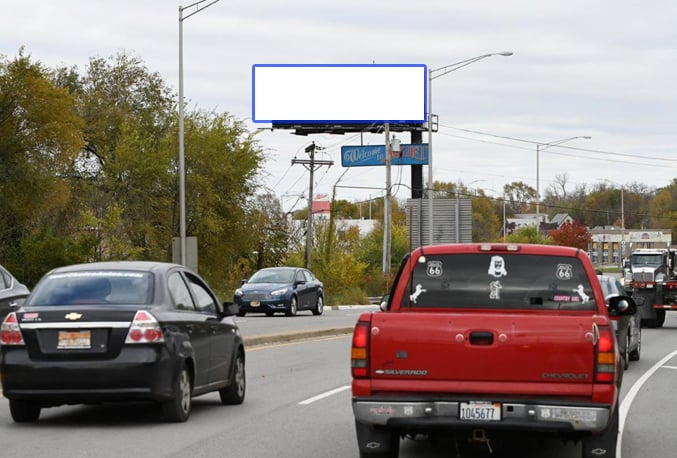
479	411
69	340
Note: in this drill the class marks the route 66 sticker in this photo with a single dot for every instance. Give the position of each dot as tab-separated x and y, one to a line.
564	271
434	269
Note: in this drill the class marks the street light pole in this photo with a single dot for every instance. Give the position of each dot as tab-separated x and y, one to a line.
182	163
540	147
434	74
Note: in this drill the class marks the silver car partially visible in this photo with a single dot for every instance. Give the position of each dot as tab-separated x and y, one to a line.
628	329
12	292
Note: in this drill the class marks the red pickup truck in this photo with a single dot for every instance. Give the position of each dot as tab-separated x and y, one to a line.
477	342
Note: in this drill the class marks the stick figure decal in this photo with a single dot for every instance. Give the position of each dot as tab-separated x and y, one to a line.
495	289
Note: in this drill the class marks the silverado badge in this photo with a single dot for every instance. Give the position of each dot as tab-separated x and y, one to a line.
73	316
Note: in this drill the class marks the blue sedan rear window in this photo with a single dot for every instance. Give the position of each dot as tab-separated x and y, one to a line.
96	287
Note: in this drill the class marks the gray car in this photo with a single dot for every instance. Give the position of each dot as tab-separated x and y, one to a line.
628	329
12	293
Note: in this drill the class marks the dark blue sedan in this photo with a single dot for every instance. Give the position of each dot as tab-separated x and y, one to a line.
281	289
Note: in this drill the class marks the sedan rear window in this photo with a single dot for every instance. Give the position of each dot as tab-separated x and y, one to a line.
506	281
96	287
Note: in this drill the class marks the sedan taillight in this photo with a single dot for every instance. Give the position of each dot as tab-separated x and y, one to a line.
10	332
144	329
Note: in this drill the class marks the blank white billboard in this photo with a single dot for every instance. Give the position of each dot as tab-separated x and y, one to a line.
339	93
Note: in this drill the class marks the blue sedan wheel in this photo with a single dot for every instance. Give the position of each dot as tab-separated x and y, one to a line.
292	307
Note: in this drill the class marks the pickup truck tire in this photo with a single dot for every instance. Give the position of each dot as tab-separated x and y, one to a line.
376	442
603	444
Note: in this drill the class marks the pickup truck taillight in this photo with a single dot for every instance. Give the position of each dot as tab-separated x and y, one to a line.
605	356
359	359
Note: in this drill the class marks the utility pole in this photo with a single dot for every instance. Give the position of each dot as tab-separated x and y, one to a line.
386	205
392	146
311	165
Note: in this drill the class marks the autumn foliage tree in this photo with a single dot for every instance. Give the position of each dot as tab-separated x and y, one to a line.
572	234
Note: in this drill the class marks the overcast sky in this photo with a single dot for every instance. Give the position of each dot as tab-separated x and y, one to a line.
600	68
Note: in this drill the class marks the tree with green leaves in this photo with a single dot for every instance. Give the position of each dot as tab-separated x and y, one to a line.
40	134
664	208
529	234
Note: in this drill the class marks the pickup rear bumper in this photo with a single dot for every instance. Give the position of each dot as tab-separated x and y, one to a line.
513	415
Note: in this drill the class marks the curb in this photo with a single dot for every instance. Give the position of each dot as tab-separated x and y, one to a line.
295	336
350	307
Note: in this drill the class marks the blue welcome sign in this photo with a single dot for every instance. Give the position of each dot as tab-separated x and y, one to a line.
359	156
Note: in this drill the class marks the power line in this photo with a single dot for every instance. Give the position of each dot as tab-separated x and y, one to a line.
587	150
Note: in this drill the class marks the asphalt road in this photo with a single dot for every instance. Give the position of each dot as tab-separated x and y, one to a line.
298	405
259	329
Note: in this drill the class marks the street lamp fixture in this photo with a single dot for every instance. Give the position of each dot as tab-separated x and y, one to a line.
540	147
182	162
435	73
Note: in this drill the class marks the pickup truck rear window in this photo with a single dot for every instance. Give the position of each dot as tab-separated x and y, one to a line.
505	281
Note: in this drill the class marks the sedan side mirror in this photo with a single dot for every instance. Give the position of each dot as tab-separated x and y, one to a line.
622	305
230	309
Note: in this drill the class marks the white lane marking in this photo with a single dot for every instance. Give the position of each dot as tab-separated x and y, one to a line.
669	367
630	396
324	395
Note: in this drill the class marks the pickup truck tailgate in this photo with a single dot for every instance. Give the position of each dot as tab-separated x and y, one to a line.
495	347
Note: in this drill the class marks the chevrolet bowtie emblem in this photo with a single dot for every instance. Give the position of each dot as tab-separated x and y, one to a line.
73	316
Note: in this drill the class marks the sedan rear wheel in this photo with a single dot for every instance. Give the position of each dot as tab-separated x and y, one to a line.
24	411
234	393
635	354
626	350
291	311
177	409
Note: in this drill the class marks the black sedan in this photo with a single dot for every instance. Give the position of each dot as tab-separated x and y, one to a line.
12	292
120	331
281	289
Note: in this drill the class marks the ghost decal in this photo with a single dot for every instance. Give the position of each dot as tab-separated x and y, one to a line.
497	267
